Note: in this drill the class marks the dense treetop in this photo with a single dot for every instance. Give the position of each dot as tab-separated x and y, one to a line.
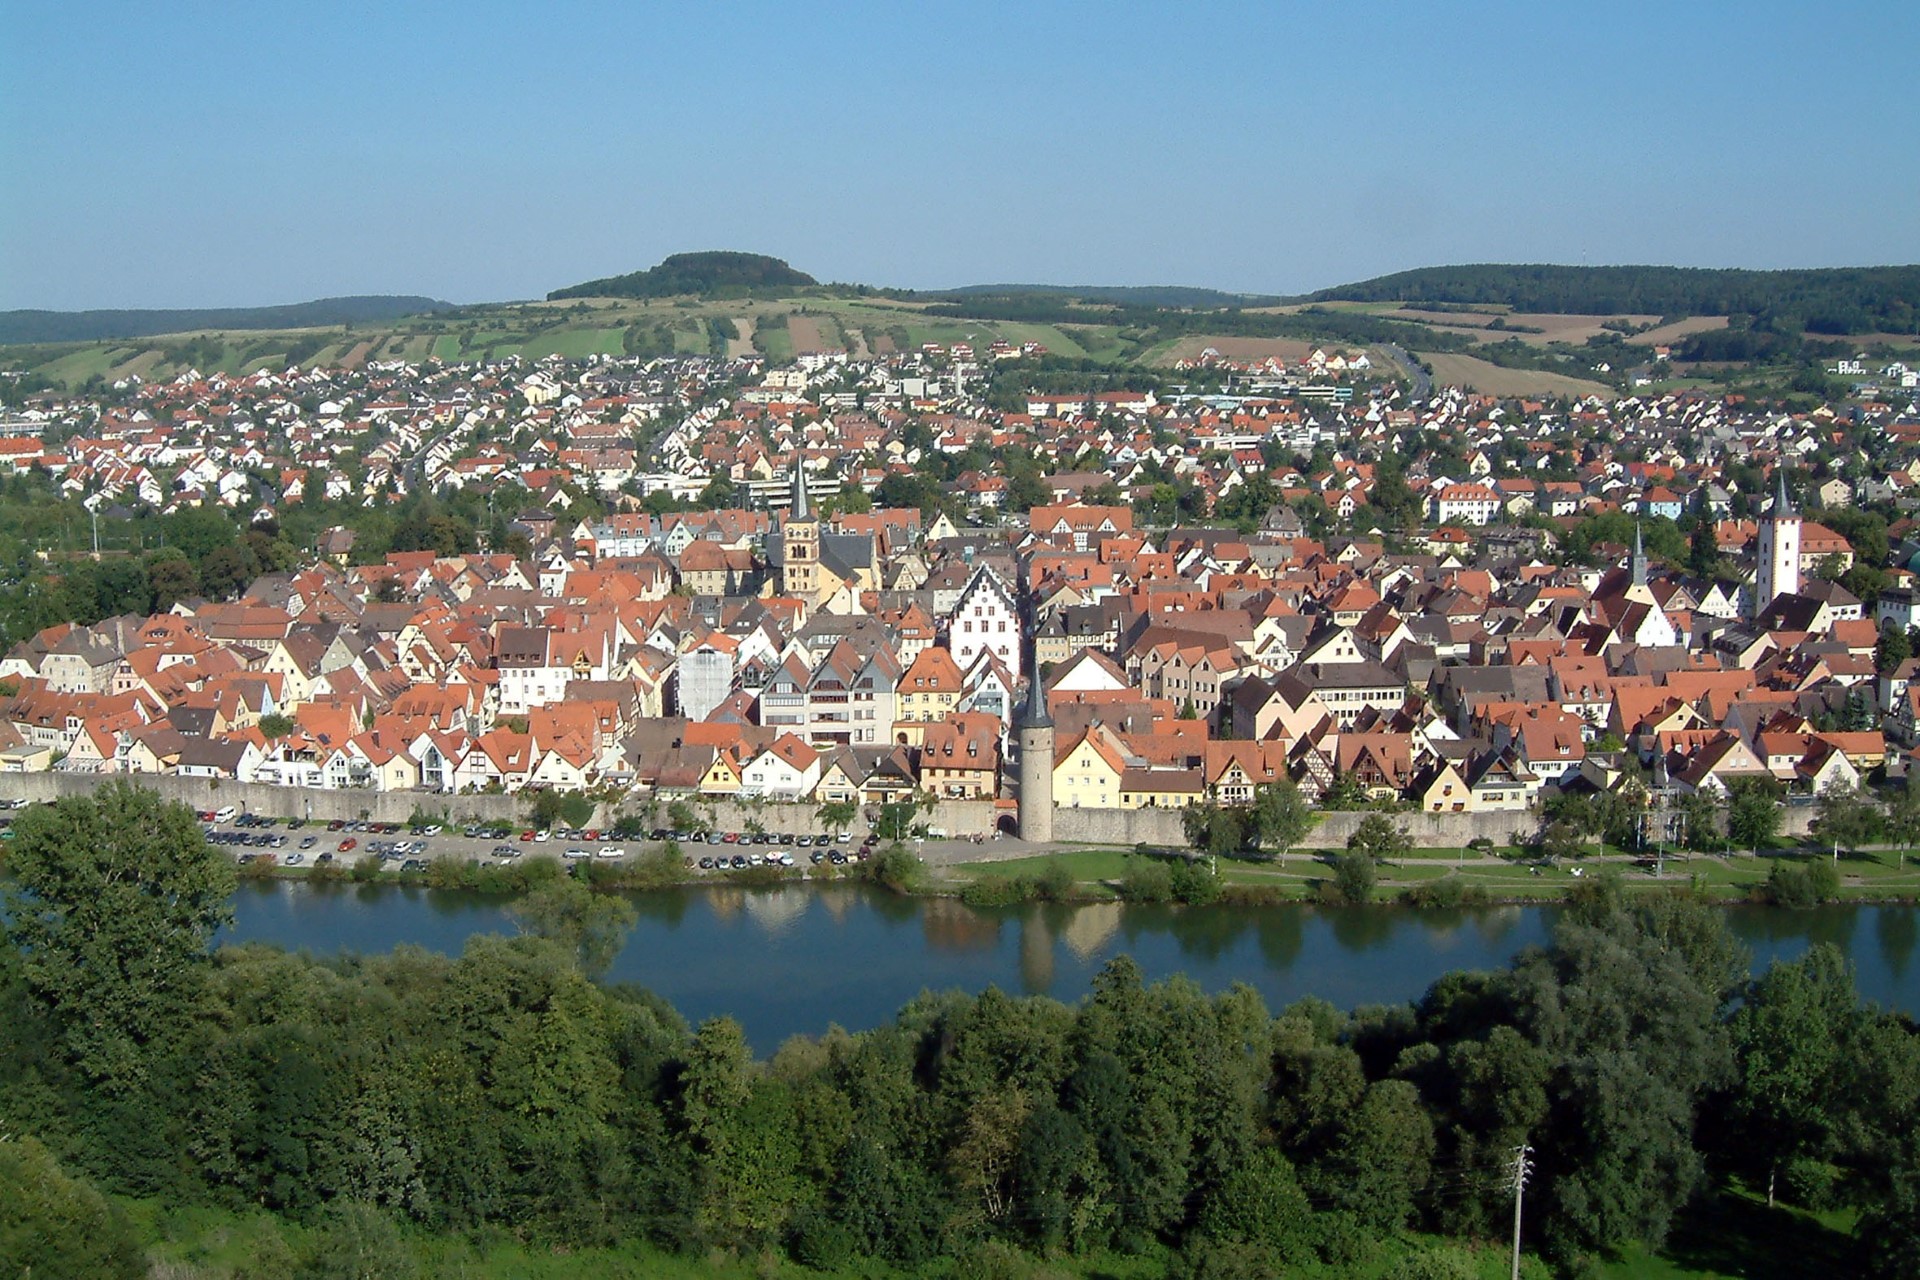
1834	300
93	326
717	273
506	1090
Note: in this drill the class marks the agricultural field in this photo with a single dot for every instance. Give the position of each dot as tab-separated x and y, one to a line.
1671	333
1453	369
1291	350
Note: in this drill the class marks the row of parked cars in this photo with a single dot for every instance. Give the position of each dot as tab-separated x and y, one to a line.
742	861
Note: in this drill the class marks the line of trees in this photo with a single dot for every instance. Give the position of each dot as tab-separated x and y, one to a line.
506	1089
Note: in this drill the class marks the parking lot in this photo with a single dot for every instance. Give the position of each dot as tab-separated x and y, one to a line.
296	842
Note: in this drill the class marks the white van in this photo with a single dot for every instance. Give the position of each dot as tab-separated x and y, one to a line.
224	815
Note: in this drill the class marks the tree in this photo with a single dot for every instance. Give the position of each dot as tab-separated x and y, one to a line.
561	808
116	898
1845	818
837	815
1789	1036
1703	551
1753	816
275	725
1378	836
1280	817
1353	877
52	1224
591	926
1890	650
1903	817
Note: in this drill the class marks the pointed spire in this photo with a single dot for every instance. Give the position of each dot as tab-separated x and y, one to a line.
799	509
1782	500
1034	714
1639	561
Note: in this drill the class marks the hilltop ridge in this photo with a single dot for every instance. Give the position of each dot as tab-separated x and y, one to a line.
713	273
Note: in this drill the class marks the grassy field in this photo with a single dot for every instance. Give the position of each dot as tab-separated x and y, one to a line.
1494	380
1729	878
199	1243
1726	1235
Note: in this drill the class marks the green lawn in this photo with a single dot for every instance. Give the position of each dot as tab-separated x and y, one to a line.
1730	1234
1087	865
575	343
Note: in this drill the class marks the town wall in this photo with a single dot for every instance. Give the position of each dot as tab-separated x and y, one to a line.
960	819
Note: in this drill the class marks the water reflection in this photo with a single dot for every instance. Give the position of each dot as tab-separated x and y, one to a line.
1897	929
775	910
1036	954
951	925
1086	930
1366	928
1281	932
865	952
666	907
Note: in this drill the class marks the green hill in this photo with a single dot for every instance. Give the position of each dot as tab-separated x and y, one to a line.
99	326
1148	295
1830	300
717	273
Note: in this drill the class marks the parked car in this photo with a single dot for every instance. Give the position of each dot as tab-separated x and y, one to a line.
615	852
348	845
573	855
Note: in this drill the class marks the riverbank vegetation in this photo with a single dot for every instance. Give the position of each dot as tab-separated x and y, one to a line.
371	1114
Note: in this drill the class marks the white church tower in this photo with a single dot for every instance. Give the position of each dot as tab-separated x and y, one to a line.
1778	561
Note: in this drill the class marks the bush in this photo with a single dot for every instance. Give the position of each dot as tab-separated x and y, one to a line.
1439	1262
999	891
1353	878
261	867
1148	882
1055	883
366	870
1445	893
1806	884
896	869
1195	883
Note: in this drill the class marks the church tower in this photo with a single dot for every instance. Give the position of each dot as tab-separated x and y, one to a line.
800	543
1777	570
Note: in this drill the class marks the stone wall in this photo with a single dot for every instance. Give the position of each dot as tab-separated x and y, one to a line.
957	818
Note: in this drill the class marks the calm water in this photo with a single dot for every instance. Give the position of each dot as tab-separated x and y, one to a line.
795	959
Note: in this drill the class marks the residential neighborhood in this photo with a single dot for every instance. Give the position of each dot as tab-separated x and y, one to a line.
841	579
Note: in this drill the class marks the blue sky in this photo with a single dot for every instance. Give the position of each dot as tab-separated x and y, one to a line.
212	155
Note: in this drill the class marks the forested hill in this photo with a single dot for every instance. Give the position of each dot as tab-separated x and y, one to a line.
713	274
1824	300
97	326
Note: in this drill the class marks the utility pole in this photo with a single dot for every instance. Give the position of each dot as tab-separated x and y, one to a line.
1522	1167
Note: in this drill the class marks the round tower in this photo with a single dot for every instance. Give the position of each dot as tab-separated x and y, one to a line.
1036	766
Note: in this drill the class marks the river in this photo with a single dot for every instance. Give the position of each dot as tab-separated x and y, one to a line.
794	959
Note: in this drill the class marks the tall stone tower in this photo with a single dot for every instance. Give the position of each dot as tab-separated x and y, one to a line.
1036	765
1778	559
800	543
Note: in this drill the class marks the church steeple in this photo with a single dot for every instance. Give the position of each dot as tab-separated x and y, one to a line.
1639	561
1782	500
799	510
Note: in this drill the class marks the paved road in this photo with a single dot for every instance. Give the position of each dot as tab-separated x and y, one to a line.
1422	382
